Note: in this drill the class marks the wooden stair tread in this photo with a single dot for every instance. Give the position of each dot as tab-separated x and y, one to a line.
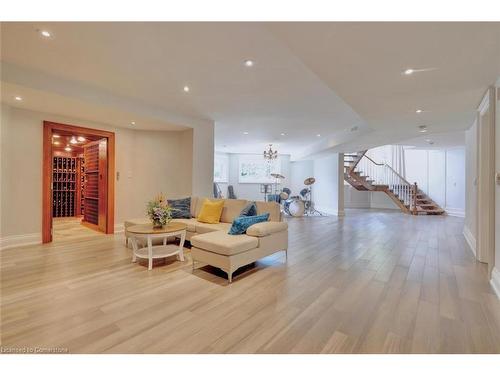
356	179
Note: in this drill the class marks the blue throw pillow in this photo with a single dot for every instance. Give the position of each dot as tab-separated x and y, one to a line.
249	210
182	208
242	223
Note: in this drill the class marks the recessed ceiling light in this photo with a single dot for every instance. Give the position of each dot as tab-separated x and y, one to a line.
283	134
67	148
409	72
422	129
429	141
132	123
18	98
318	135
419	111
57	143
248	63
186	88
81	139
45	33
73	141
246	133
56	135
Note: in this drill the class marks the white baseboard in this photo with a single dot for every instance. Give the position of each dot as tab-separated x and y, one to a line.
20	240
454	212
119	228
495	281
470	240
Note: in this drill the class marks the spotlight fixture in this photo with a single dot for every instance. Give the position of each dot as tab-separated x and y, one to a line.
429	141
283	134
45	33
318	135
73	141
410	71
56	135
354	128
57	143
246	133
419	111
248	63
67	148
186	88
422	129
81	139
18	98
132	123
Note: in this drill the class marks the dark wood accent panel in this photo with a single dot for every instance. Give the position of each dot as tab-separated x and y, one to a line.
91	185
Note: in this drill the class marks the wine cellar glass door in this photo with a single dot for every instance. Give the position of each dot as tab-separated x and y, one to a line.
95	183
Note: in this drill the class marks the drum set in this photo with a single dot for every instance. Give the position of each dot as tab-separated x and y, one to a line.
302	204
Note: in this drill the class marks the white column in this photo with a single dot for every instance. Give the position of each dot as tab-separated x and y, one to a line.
329	187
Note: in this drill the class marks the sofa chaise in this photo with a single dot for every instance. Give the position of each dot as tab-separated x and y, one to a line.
211	243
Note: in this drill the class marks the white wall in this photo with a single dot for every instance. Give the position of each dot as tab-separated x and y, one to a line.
299	171
328	191
441	175
356	199
149	162
251	191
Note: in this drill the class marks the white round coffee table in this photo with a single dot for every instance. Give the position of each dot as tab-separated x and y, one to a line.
148	233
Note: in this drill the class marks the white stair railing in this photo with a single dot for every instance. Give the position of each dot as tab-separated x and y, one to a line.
384	174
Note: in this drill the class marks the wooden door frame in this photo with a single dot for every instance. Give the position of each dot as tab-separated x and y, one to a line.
486	186
48	129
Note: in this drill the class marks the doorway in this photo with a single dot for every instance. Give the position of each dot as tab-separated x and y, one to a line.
78	181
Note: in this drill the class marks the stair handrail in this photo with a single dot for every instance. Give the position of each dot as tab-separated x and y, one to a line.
359	159
388	166
384	174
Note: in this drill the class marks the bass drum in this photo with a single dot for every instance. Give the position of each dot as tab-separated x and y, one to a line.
294	207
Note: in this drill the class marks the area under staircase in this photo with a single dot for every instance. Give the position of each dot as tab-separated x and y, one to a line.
364	174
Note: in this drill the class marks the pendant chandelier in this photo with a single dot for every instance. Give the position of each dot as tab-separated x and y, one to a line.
269	154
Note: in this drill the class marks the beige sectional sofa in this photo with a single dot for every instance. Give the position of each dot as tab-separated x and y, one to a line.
211	243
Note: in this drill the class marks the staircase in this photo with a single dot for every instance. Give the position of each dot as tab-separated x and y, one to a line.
364	174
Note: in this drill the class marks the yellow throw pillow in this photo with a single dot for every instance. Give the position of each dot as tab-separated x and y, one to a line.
211	211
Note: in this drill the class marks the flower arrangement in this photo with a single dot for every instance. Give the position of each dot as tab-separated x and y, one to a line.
159	212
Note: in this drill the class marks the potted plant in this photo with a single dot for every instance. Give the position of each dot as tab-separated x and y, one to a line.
159	212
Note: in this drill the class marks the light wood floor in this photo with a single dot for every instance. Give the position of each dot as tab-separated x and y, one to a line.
372	282
71	228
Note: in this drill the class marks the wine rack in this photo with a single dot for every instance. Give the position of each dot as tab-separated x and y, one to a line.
64	181
91	156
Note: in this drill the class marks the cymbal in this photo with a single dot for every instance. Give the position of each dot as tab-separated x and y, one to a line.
309	181
277	175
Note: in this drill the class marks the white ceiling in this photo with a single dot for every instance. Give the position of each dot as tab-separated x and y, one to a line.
308	78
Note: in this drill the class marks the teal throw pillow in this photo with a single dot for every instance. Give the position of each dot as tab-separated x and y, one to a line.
242	223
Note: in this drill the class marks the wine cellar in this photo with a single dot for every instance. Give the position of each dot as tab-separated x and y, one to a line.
77	181
67	186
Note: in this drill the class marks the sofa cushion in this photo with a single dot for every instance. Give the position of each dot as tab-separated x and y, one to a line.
191	223
225	244
272	208
241	224
207	228
249	210
211	211
182	208
267	228
232	209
